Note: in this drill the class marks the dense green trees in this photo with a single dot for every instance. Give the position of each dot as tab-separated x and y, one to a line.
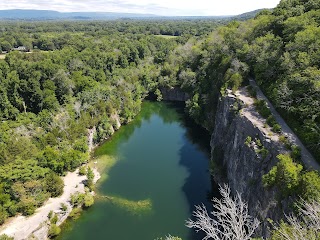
279	48
48	99
82	75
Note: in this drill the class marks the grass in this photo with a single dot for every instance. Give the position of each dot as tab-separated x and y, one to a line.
2	56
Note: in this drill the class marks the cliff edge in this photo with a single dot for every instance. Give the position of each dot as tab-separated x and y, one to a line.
245	148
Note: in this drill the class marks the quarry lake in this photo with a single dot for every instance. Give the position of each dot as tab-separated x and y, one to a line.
154	170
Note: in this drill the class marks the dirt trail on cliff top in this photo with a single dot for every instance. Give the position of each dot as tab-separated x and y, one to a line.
308	160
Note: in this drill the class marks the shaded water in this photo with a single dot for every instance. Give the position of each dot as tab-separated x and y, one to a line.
155	170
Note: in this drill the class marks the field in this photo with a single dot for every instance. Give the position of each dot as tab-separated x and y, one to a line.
166	36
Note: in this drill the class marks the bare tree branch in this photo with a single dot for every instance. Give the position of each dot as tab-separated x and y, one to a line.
230	221
305	226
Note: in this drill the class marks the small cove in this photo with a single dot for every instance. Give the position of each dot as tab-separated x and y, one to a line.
154	170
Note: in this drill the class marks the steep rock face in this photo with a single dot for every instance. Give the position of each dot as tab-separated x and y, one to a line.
174	94
236	145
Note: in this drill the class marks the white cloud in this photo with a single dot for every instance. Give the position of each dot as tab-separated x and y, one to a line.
159	7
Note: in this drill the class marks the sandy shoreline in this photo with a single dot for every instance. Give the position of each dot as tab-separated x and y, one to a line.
21	227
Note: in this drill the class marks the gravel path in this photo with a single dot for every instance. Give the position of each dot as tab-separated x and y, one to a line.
22	227
306	157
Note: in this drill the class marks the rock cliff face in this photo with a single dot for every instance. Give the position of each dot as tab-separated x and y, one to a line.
237	142
174	94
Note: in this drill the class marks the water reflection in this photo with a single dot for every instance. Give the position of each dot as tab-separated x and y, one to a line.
162	157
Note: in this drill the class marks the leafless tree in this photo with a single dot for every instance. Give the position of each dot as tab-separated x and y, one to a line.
230	221
304	226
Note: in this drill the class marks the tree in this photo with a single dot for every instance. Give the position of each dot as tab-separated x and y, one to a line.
231	219
310	185
5	237
158	94
90	178
305	226
6	46
285	175
88	200
3	214
63	84
54	184
54	231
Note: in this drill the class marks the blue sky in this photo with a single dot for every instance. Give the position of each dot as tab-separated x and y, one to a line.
159	7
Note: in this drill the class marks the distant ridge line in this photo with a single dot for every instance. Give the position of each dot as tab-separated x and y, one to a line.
31	14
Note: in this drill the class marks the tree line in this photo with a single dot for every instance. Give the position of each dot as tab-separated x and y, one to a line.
85	74
52	95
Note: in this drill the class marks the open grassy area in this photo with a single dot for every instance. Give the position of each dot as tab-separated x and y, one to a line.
2	56
166	36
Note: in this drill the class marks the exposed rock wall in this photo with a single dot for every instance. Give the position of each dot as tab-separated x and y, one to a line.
174	94
242	164
91	133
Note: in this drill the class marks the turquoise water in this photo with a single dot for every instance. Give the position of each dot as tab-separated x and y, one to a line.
161	159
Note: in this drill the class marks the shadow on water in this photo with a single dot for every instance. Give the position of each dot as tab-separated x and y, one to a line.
180	148
199	185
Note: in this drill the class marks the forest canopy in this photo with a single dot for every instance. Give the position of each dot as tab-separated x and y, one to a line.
73	76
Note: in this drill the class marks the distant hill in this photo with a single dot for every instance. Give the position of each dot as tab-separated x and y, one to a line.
248	15
19	14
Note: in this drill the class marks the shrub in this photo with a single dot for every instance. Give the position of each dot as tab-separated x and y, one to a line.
285	175
5	237
310	186
283	139
55	219
90	177
77	199
64	207
75	213
258	142
276	128
88	200
271	121
54	231
82	170
252	92
296	153
50	214
159	95
269	179
248	141
264	152
235	81
262	108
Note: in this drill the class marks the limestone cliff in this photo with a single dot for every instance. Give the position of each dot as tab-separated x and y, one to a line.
174	94
245	149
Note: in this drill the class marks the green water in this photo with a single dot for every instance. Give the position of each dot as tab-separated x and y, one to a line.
161	158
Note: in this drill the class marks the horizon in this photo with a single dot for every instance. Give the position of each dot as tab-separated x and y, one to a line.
152	7
133	13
